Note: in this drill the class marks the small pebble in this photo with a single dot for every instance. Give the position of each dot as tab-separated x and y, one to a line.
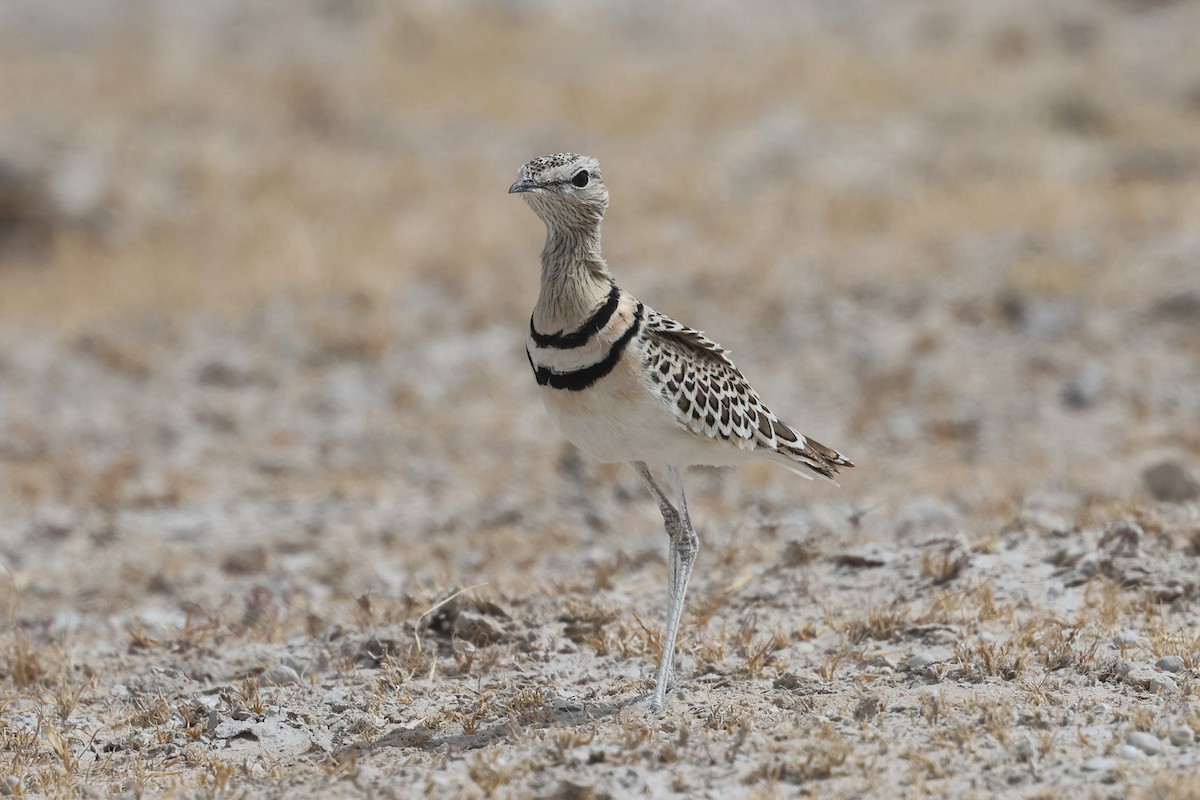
880	663
1122	538
1182	737
1142	676
10	785
1084	388
247	561
1169	664
868	708
919	661
1148	743
1126	638
1169	482
1123	667
1162	684
1182	305
281	675
1099	764
1128	751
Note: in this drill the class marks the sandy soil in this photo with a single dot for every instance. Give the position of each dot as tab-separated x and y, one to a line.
281	512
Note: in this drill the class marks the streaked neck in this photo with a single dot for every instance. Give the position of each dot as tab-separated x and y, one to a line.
575	279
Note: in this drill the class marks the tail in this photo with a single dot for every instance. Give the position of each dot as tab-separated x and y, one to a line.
806	456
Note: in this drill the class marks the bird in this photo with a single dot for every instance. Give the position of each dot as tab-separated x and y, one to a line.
625	383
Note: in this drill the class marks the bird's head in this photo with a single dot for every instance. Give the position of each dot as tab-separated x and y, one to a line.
565	190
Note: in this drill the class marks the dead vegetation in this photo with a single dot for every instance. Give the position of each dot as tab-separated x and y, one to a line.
282	515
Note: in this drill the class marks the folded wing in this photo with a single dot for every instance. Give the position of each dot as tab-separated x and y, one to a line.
713	400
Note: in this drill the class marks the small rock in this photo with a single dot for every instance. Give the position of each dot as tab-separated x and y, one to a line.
55	522
1122	538
1183	305
247	561
1067	556
1148	743
1088	567
10	786
1169	664
139	740
1084	388
1182	736
1161	684
281	675
339	699
1099	764
277	465
789	681
478	629
1169	482
240	714
230	728
1023	751
868	708
27	209
861	559
919	661
224	375
1126	638
1140	676
880	663
1128	751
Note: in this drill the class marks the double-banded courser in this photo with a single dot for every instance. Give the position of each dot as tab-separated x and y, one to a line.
625	383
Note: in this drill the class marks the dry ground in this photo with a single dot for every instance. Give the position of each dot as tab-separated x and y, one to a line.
280	514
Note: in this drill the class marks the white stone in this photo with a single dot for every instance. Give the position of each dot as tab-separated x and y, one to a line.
1148	743
281	675
1161	684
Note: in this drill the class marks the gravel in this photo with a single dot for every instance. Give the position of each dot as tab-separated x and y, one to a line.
284	516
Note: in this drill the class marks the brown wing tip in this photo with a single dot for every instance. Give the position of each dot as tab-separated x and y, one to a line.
832	457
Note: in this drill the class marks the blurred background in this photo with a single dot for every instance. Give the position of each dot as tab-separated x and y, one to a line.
263	294
264	400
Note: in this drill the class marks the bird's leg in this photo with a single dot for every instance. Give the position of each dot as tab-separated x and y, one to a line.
670	515
684	546
672	522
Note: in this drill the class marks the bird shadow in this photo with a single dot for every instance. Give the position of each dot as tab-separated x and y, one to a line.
426	739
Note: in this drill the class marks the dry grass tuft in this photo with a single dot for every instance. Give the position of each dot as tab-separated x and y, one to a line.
262	400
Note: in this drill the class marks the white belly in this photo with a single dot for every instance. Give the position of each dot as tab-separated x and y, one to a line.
622	418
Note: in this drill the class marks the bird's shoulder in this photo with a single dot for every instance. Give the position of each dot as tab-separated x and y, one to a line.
674	337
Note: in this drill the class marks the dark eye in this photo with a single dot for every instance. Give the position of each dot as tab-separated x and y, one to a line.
581	178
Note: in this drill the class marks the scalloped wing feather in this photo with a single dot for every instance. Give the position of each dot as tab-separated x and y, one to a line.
712	399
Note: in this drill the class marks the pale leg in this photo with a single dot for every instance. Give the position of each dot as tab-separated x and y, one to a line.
683	547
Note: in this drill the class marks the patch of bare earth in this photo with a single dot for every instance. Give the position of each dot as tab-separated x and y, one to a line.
281	513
